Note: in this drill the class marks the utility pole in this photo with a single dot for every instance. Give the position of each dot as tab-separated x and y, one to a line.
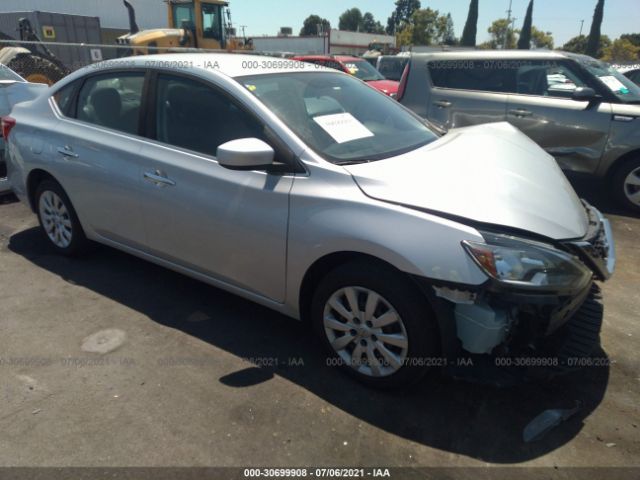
581	25
506	33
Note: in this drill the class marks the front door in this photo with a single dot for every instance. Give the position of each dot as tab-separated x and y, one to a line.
574	132
227	224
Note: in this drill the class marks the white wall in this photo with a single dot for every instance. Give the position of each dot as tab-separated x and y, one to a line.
112	13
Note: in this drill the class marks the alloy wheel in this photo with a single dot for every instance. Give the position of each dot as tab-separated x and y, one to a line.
56	219
632	186
366	331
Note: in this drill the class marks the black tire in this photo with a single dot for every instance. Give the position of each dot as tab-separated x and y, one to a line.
618	183
402	295
78	241
36	69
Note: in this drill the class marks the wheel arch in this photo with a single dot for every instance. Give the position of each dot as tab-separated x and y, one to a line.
622	159
35	177
323	265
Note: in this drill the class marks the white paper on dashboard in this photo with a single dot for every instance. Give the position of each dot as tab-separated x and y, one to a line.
613	83
343	127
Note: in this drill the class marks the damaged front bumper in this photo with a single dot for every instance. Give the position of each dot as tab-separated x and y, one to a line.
502	334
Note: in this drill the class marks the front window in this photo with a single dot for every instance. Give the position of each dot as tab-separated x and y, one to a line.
623	88
183	13
211	21
7	74
363	70
338	117
391	68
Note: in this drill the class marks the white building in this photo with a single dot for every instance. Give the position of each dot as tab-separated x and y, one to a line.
337	42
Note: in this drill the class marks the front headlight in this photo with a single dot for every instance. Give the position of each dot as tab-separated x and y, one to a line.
525	263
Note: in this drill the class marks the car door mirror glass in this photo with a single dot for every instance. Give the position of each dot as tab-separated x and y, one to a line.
245	154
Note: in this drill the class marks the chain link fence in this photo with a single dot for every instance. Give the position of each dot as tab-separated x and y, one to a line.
48	62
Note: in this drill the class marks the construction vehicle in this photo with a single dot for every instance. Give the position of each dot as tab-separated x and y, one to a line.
34	62
193	24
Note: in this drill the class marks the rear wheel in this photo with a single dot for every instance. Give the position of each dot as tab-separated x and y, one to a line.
58	219
626	184
375	324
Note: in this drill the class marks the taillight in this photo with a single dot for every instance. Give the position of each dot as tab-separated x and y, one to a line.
403	81
7	124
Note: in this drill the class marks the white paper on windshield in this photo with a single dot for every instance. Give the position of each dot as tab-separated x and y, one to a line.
343	127
614	84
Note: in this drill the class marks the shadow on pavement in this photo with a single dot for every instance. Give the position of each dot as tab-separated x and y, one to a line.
478	421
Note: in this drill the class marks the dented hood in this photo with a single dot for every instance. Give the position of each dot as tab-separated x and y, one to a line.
490	173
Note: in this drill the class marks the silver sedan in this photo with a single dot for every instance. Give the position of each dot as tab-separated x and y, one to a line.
307	191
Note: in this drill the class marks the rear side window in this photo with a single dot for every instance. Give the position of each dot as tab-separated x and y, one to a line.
64	98
112	100
480	75
192	115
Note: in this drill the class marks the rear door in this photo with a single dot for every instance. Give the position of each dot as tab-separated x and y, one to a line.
98	154
574	132
467	92
226	224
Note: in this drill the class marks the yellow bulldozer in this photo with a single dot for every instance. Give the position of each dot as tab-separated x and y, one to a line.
193	24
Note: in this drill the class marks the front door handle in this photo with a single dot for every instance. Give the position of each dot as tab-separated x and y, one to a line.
520	112
159	178
442	103
67	151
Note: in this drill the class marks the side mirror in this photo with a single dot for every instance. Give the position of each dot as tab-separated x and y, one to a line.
245	154
584	94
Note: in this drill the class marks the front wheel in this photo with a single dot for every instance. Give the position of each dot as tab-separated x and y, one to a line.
626	184
58	219
375	324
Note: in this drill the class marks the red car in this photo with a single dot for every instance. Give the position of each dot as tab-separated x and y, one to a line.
357	67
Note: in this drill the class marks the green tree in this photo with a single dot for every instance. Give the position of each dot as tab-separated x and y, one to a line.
540	39
632	37
425	26
524	42
351	20
621	50
401	16
579	45
311	23
471	26
370	25
502	34
593	43
446	34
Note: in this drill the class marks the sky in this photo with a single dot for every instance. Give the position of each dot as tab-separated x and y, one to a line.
561	17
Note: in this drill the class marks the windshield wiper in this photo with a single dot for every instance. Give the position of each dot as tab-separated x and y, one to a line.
351	162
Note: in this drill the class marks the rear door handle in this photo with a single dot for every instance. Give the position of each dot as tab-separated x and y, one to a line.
67	151
442	103
159	178
520	112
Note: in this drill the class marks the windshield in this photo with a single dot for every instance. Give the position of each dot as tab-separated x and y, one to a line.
363	70
621	86
338	117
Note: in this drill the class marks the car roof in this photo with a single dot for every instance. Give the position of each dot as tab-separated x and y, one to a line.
339	58
229	64
492	54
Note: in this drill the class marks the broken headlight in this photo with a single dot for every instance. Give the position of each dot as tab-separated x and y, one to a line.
528	264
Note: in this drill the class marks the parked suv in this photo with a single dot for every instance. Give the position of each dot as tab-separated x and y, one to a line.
580	110
304	190
358	67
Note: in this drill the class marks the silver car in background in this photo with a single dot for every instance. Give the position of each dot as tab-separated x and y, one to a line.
304	190
13	89
580	110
